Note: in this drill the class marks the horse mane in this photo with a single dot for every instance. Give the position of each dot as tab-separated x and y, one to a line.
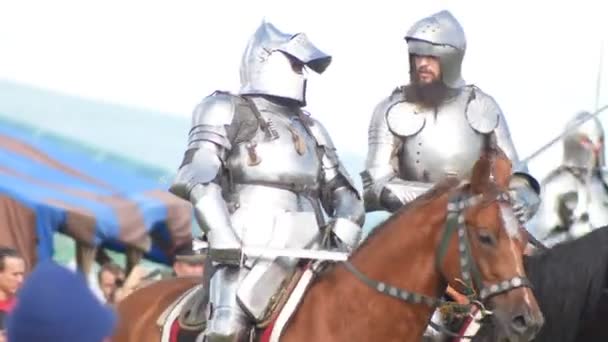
439	189
568	281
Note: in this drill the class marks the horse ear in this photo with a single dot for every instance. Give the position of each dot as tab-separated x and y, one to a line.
500	165
502	168
480	176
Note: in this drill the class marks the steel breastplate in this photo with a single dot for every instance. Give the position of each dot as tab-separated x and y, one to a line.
286	158
436	144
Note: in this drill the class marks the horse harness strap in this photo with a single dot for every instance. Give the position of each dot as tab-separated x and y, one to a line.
470	273
393	291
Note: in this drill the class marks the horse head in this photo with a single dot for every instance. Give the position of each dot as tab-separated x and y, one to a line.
489	256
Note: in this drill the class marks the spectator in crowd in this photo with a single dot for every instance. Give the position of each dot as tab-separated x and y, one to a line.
12	269
111	277
187	262
56	305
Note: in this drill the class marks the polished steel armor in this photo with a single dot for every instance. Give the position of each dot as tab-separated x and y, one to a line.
261	172
575	195
264	71
412	146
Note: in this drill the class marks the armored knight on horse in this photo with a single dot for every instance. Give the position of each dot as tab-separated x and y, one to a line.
436	126
262	172
575	194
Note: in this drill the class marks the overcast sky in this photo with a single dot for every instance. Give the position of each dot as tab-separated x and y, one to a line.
539	62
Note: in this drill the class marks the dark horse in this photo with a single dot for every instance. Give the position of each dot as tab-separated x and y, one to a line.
570	283
389	286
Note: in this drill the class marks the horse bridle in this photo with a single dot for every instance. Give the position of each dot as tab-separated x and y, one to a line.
470	274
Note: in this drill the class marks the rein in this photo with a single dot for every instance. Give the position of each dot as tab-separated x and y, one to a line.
470	274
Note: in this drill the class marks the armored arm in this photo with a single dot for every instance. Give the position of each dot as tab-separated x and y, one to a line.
199	176
558	207
339	196
382	188
525	189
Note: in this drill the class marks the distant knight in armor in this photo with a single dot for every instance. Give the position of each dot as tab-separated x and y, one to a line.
575	194
262	172
436	126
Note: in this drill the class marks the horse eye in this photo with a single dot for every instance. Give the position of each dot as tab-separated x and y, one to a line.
486	238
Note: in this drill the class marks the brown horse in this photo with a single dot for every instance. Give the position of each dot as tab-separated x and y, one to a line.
390	285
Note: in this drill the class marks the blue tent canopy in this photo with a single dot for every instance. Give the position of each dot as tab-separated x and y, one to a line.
107	202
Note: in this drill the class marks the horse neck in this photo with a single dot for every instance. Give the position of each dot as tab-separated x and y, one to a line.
403	255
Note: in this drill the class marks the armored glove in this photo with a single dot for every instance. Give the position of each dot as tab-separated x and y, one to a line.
524	199
226	256
347	233
398	192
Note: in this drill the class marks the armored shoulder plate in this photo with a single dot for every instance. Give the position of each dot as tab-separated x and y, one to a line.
216	109
319	133
482	111
403	118
226	118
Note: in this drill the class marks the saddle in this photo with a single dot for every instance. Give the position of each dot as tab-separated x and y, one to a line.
190	309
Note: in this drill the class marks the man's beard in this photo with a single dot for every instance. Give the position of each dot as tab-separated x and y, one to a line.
430	94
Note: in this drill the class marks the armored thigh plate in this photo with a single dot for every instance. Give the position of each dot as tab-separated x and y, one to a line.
277	230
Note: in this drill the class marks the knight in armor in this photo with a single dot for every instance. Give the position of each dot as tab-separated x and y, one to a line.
436	126
575	194
262	172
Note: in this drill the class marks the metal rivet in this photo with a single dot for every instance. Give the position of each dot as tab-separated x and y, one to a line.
494	288
381	287
416	298
393	291
517	281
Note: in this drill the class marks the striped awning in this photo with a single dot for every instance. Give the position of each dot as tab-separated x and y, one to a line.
100	202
